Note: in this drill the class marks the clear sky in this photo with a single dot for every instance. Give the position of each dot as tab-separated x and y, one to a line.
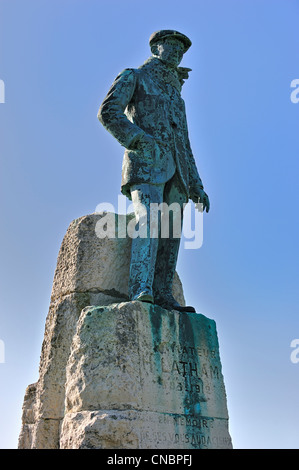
58	59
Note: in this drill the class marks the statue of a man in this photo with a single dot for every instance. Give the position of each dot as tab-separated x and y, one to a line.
145	112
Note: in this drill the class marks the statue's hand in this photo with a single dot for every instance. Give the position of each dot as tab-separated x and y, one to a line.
201	197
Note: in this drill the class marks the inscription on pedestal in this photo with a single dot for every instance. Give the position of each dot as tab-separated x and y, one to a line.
182	363
190	365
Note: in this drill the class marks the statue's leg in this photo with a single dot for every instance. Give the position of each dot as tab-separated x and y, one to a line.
144	247
168	247
169	243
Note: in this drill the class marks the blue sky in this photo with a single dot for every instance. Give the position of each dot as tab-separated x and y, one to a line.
57	60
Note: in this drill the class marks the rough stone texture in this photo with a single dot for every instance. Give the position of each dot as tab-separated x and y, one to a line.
90	271
142	377
87	263
28	417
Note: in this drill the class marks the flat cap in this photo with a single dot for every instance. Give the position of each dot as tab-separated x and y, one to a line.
170	33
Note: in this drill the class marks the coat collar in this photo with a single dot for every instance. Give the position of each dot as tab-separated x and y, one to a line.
163	74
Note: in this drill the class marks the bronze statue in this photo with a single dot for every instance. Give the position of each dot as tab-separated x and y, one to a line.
145	112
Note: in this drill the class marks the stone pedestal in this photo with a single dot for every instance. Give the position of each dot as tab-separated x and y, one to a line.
119	374
142	377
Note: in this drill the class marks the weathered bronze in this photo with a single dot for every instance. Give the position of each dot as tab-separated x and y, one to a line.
145	112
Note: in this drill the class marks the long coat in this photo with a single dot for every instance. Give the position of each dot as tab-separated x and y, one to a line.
147	100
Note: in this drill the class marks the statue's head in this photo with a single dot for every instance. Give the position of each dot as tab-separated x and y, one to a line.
169	46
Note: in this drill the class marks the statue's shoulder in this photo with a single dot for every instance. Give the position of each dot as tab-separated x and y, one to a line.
127	74
143	70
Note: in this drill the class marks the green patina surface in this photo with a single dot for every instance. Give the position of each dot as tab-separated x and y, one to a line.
145	112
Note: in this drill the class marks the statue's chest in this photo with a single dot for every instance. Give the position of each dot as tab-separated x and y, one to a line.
153	95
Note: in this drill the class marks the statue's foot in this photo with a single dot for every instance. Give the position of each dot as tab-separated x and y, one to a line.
169	303
144	297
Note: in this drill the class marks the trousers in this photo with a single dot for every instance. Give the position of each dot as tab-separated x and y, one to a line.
159	216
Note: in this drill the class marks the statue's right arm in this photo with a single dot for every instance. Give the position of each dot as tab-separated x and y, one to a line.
111	113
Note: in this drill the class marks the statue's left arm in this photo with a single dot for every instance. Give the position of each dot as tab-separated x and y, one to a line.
196	189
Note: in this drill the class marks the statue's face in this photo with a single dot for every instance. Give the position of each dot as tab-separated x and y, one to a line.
171	51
